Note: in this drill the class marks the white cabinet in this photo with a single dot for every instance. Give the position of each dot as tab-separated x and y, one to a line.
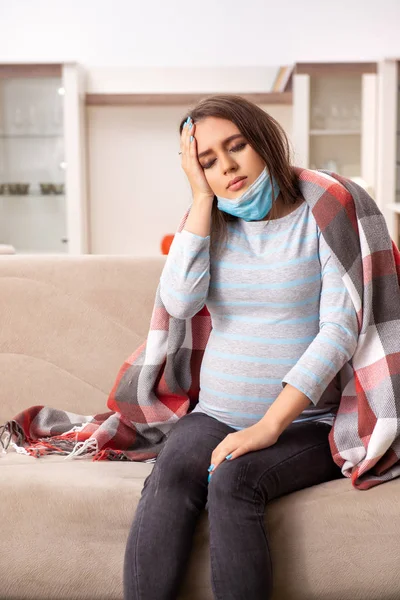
335	119
388	196
42	158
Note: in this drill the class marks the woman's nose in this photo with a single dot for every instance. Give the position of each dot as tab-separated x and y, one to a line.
228	164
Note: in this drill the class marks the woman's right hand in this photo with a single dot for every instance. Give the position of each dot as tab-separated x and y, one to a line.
191	165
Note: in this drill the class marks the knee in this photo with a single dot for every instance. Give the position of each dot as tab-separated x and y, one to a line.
176	466
227	480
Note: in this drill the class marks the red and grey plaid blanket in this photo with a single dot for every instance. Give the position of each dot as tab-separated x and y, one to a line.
159	383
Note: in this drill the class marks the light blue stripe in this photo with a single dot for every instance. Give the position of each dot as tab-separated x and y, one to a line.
246	267
341	309
273	251
188	274
201	274
252	359
268	236
197	253
271	321
237	396
330	270
232	413
266	286
325	361
309	373
349	333
238	249
182	296
241	378
259	340
217	409
269	304
334	344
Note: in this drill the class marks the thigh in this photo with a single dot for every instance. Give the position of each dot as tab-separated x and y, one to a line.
300	458
189	446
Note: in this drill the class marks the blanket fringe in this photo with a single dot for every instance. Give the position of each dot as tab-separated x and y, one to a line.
54	445
89	447
9	430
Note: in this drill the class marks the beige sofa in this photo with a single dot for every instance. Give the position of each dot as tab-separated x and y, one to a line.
67	324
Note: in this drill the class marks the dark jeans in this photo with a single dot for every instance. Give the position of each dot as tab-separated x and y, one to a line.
176	492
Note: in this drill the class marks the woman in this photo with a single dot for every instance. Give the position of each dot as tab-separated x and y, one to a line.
283	327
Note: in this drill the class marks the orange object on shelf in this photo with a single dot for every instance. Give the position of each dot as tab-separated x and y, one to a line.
166	243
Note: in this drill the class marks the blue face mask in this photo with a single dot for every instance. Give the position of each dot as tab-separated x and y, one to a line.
255	202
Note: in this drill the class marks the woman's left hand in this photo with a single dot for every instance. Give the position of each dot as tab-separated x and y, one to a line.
258	436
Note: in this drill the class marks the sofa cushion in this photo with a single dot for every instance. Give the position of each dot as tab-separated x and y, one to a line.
67	325
65	525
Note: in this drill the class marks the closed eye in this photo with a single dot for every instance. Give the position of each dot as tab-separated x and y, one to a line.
234	149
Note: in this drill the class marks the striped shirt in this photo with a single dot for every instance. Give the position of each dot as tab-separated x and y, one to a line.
280	314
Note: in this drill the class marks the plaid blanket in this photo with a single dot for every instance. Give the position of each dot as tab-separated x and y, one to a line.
159	382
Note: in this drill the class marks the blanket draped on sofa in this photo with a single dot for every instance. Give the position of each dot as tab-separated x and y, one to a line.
159	382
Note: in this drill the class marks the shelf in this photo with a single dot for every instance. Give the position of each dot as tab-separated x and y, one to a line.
327	68
32	196
12	70
30	136
172	99
335	132
39	253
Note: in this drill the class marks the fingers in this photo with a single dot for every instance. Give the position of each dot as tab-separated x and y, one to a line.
187	137
190	162
183	137
187	148
219	455
193	143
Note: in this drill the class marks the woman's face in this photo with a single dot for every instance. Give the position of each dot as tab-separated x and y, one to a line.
224	159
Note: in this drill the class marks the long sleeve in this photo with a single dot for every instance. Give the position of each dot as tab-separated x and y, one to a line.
337	339
185	278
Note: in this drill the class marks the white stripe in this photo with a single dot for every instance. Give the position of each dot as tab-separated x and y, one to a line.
369	349
352	291
383	435
156	347
188	341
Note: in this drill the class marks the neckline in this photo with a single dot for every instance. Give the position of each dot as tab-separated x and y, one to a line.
276	222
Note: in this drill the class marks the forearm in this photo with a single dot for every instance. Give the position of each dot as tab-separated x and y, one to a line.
185	279
199	218
287	406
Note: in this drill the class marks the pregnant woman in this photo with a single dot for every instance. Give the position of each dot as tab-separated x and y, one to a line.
283	325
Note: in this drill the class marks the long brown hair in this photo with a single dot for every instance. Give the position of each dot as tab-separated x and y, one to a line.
265	135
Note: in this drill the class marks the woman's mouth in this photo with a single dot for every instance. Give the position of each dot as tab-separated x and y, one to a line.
238	184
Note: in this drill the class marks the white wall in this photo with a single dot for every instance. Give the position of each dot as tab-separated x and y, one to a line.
131	150
138	189
198	33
